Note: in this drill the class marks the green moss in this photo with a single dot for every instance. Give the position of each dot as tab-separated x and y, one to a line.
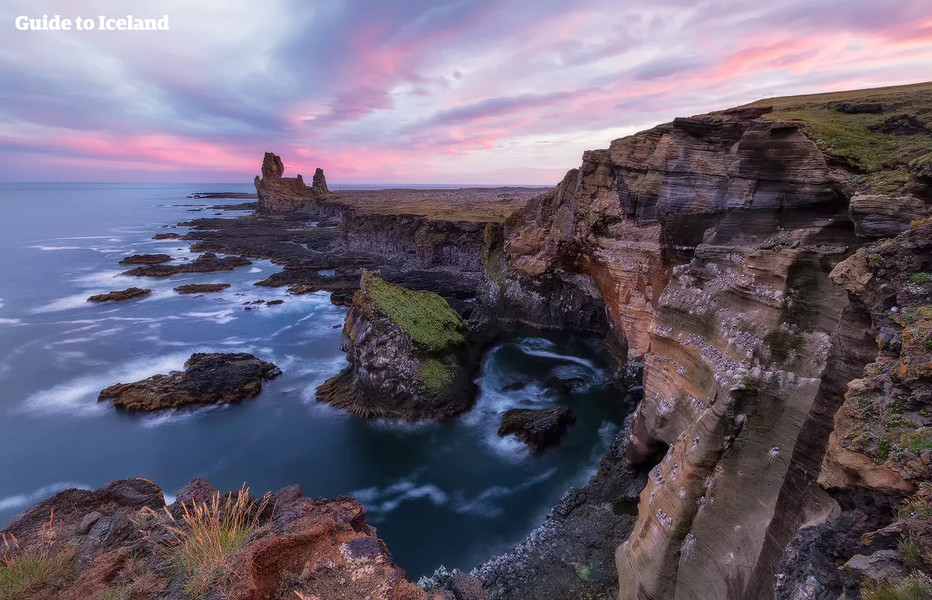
883	450
435	375
425	316
916	442
920	278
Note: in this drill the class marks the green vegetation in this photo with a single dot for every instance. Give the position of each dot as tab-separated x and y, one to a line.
920	278
883	131
883	450
435	375
209	536
913	588
22	572
425	316
911	551
916	442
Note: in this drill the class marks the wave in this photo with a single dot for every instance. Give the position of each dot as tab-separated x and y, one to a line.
24	500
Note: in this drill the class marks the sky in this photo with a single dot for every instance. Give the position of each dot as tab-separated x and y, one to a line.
413	91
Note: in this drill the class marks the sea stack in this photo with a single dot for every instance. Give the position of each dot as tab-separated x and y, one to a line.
408	356
287	194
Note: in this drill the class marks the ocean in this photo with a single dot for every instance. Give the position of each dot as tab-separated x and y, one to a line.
450	493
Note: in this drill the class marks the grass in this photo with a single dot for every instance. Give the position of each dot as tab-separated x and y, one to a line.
913	588
882	145
435	375
911	551
920	278
23	572
425	316
209	536
915	441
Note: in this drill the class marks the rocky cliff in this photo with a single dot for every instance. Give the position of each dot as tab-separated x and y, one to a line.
122	541
712	242
408	356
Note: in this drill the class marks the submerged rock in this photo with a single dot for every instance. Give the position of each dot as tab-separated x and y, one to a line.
408	356
538	428
133	292
205	263
206	379
145	259
201	288
119	542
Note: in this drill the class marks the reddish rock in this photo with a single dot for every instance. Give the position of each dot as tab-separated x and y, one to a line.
201	288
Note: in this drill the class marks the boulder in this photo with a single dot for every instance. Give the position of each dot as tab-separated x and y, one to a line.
126	294
538	428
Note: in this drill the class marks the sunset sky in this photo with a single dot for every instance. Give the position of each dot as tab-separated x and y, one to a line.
454	91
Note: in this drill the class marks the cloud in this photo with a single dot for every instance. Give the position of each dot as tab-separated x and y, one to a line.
484	91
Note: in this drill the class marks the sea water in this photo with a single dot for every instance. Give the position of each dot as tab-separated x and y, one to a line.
448	493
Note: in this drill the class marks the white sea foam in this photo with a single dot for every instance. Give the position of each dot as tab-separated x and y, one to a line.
483	504
254	270
5	321
30	498
220	317
386	500
175	416
48	248
79	395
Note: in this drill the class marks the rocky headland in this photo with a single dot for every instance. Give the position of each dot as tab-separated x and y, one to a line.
763	277
206	379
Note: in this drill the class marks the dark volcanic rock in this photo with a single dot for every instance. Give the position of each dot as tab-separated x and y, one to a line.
201	288
286	194
145	259
206	379
538	428
114	539
126	294
167	236
408	356
564	386
205	263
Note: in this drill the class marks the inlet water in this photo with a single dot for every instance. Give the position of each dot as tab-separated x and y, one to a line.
451	493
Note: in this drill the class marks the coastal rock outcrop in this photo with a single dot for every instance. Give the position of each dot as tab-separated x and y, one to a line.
286	194
538	428
201	288
407	354
206	379
146	259
122	541
128	293
207	262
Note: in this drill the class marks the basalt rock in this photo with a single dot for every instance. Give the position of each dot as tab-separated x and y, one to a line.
126	294
117	542
201	288
408	356
538	428
206	379
287	194
145	259
207	262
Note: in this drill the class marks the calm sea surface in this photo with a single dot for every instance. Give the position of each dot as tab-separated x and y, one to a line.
451	493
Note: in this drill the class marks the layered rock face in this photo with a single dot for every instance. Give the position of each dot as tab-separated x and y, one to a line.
286	194
710	241
407	354
119	542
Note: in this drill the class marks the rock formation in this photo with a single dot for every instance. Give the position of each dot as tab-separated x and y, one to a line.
201	288
407	354
286	194
711	241
119	542
206	379
538	428
126	294
145	259
207	262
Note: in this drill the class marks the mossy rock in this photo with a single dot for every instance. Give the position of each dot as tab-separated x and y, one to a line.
424	316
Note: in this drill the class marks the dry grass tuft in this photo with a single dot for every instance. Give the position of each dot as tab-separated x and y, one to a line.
23	572
208	536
